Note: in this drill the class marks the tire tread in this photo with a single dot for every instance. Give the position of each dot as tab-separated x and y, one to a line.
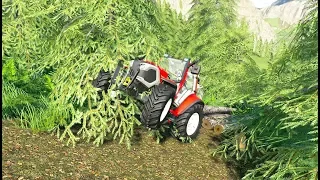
152	109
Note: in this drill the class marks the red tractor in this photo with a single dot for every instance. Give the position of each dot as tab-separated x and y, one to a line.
175	92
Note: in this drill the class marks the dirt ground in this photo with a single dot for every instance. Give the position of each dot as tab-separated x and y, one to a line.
28	155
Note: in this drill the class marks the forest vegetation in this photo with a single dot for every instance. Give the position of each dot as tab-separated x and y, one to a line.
52	50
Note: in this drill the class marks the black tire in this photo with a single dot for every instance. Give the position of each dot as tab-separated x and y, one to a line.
183	119
102	81
155	104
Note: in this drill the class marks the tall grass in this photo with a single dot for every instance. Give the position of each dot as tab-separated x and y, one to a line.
45	118
13	100
37	114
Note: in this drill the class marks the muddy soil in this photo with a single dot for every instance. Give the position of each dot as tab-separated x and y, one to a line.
31	155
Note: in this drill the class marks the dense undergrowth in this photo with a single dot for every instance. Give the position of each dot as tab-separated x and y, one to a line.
52	50
278	125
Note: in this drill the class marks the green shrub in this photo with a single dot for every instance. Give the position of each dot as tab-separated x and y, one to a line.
22	88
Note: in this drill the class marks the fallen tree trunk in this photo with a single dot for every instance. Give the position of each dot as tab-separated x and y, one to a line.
217	110
217	116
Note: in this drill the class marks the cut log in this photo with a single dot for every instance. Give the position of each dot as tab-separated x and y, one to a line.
207	124
215	122
217	110
218	129
216	118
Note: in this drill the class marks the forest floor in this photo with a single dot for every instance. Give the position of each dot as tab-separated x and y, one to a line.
28	155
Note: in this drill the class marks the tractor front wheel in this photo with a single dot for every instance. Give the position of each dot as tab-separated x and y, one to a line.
189	123
157	107
102	82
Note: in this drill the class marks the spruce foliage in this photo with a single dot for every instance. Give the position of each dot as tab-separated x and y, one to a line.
224	47
75	40
52	50
280	124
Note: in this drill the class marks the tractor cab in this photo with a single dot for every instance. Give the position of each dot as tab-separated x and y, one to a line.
175	67
185	74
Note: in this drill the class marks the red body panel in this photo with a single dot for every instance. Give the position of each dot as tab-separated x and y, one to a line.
188	102
163	73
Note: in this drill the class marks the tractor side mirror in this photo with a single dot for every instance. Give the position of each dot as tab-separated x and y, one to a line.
195	69
194	62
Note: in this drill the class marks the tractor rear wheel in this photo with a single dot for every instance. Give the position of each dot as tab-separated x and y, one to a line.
189	123
157	107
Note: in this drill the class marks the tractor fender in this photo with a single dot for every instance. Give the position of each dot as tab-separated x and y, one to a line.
170	82
186	104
